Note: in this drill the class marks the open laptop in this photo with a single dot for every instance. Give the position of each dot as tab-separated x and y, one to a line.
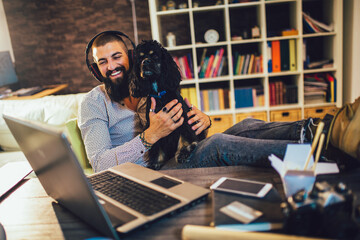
53	161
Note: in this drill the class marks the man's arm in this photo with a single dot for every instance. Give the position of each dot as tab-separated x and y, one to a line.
103	153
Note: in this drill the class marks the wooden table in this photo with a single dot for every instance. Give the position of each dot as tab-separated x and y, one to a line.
28	213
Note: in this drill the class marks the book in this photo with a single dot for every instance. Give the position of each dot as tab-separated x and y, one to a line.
246	64
227	98
236	62
205	100
284	55
216	99
317	25
221	54
187	67
203	67
222	63
292	54
192	96
241	65
209	65
243	97
251	62
269	55
221	99
182	68
276	60
272	217
184	92
191	66
216	59
202	61
211	99
272	94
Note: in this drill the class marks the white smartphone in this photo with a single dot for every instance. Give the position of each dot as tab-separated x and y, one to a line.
242	186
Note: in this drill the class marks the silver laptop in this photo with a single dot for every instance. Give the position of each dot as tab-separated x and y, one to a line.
101	199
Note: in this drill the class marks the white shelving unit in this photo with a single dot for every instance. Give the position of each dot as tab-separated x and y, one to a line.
189	23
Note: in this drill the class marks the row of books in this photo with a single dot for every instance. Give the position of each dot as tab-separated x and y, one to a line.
249	97
190	94
214	99
247	64
280	93
282	55
319	88
185	65
212	65
314	26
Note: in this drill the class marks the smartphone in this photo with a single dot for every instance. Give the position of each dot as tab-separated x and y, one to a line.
242	186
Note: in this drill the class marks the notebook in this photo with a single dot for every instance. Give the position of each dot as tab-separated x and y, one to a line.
53	161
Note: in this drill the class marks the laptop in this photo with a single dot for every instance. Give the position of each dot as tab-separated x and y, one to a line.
100	199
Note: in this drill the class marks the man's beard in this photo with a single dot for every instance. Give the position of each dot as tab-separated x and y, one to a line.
120	89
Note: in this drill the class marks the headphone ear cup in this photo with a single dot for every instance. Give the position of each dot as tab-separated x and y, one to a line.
131	57
96	72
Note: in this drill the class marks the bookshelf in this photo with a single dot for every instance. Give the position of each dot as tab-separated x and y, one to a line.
254	29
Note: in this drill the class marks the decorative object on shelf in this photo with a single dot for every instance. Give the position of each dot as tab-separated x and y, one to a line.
182	5
163	8
170	5
211	36
171	39
289	32
255	32
245	34
236	38
195	4
219	2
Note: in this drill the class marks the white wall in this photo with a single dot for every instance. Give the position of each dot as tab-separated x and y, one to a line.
5	42
351	47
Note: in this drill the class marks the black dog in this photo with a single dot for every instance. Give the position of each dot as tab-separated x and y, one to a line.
155	74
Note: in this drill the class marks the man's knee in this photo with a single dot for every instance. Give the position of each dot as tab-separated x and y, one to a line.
216	139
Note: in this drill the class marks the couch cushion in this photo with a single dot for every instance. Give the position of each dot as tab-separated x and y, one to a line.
53	110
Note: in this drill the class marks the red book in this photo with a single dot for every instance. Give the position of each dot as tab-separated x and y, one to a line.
275	50
221	53
187	67
208	70
272	94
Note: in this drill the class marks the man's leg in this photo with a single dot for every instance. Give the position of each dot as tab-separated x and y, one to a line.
228	150
299	131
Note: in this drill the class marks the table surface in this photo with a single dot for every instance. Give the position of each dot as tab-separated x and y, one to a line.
28	213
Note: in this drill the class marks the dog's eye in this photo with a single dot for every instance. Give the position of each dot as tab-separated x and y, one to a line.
151	52
142	54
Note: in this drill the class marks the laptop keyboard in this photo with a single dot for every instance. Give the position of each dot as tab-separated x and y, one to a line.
132	194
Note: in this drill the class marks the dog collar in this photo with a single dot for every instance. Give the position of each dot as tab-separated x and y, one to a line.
159	95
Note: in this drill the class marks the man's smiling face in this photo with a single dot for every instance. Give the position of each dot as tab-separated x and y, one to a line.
112	60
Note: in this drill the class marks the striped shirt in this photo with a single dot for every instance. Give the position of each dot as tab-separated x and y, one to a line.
110	131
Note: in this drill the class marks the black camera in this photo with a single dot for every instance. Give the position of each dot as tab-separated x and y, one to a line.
326	211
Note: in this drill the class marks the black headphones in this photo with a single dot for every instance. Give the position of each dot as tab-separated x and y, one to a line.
94	70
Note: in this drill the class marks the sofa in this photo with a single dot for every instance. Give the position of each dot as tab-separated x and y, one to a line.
56	110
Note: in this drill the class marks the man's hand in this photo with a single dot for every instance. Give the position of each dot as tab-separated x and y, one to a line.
164	122
201	120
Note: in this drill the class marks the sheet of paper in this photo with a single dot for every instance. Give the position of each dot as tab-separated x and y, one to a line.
296	155
11	174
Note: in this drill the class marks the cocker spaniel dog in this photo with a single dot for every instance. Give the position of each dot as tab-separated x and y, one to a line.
155	74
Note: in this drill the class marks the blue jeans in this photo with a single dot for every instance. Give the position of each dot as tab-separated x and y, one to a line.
248	142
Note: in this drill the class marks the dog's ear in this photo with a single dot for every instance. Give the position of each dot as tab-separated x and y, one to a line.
170	73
